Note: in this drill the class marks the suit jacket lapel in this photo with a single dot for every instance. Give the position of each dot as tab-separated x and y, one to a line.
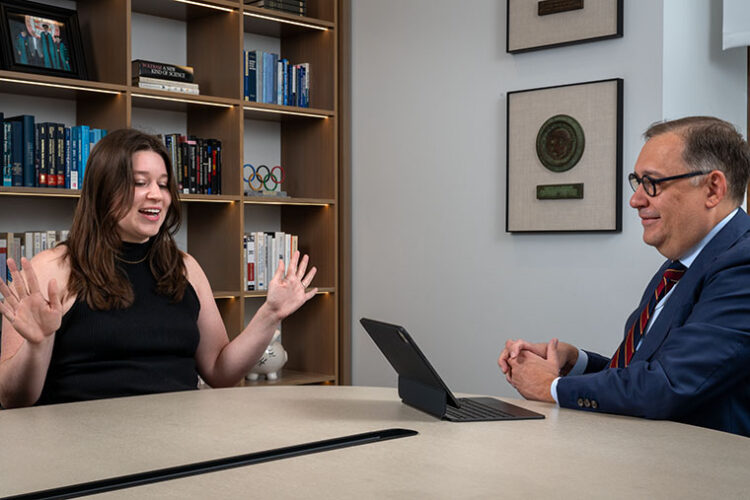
683	292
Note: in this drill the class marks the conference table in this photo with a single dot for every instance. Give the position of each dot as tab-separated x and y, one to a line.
569	454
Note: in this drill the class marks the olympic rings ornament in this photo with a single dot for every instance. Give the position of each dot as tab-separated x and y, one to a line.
263	180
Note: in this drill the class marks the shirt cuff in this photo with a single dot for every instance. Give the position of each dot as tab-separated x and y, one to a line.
553	390
581	362
578	369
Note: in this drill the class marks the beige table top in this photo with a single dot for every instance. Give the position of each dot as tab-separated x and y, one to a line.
570	454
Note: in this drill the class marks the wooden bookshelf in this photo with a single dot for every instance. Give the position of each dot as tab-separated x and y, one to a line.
292	377
309	149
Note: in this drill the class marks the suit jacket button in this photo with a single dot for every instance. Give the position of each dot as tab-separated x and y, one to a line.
586	403
594	404
580	402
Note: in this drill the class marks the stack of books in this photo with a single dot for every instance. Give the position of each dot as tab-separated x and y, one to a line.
161	76
298	7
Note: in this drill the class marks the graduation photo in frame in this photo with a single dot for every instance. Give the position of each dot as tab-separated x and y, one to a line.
541	24
41	39
564	158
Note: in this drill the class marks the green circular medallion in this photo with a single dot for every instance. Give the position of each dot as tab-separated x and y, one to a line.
560	143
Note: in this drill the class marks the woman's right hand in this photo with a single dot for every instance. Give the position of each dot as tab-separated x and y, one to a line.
32	315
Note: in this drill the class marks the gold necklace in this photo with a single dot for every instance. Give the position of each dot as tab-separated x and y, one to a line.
126	261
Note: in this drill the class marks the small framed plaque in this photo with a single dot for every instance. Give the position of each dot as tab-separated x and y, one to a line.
564	158
541	24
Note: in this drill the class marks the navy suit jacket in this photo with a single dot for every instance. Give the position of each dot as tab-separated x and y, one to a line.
693	365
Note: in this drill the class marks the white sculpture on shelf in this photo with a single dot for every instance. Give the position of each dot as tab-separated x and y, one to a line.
273	359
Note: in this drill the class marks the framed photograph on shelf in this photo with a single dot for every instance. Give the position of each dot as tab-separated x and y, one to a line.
564	158
541	24
43	39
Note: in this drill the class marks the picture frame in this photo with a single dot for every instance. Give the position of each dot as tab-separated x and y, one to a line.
564	158
542	24
42	39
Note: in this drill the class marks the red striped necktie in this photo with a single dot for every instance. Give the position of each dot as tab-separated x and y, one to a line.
637	330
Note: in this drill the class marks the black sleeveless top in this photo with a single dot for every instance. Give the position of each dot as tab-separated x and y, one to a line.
146	348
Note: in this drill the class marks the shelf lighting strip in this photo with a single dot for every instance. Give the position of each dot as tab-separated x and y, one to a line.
206	200
60	86
27	194
286	21
208	5
284	112
281	202
177	99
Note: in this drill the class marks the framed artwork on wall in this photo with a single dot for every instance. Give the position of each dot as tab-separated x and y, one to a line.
41	39
541	24
564	158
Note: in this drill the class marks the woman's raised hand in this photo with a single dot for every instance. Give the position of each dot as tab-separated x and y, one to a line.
32	315
287	293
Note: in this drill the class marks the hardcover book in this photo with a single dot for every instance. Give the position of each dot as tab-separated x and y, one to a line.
75	157
161	70
43	154
3	259
5	145
165	84
16	154
298	7
84	148
28	168
251	78
168	86
68	159
269	80
251	261
59	137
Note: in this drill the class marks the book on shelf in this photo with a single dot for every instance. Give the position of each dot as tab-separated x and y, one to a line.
5	145
248	245
58	138
40	161
82	148
250	83
282	66
58	153
27	244
263	251
298	7
196	163
68	159
13	250
24	131
16	153
168	85
164	71
3	258
271	79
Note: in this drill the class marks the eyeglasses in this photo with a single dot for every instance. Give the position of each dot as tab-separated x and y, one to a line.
649	183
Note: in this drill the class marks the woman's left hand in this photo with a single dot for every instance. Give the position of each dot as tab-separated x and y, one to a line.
287	293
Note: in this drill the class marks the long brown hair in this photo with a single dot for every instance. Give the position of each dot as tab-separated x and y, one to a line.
94	242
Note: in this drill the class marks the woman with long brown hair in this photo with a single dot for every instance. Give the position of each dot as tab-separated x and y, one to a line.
118	309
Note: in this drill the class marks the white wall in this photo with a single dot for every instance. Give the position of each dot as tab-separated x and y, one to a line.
430	251
700	78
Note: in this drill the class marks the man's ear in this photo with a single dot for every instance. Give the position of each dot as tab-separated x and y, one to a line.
716	188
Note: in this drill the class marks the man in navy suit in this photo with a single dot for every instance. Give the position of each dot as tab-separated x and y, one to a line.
691	363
